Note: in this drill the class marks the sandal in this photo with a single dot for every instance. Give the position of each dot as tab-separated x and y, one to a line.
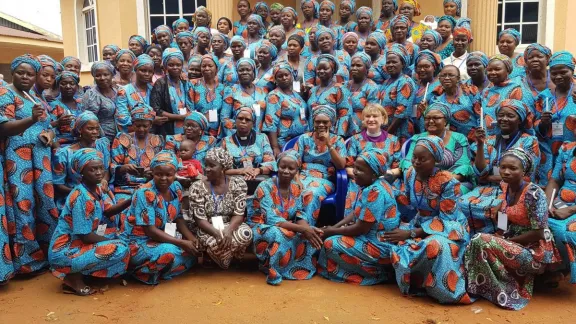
86	291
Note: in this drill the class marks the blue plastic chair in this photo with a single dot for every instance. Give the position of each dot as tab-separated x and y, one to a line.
338	197
406	148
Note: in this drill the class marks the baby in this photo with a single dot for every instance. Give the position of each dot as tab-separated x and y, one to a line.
430	21
191	169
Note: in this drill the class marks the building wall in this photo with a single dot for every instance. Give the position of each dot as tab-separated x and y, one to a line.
563	25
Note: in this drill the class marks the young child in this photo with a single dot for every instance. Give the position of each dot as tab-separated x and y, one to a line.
191	169
430	21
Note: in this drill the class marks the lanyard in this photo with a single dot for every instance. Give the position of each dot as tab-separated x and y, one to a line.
558	110
463	60
282	209
243	149
531	84
507	147
140	151
253	95
181	94
418	201
167	203
217	199
148	90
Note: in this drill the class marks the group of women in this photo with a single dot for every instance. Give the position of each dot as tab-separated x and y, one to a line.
460	166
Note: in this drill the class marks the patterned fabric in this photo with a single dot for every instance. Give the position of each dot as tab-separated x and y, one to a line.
283	253
6	267
433	264
204	205
141	40
202	99
563	58
29	192
458	4
58	109
204	144
363	259
342	72
104	108
178	94
82	214
235	98
337	97
408	52
369	92
390	147
503	271
128	97
26	59
257	155
283	115
398	100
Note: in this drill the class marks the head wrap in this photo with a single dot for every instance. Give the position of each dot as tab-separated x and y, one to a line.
458	4
213	58
434	144
380	39
512	32
435	35
433	58
170	53
525	158
402	52
122	52
364	57
277	6
293	12
81	120
463	31
297	38
259	21
330	5
330	59
246	109
291	154
376	160
537	47
364	10
351	4
449	19
28	59
68	74
441	107
70	58
326	111
401	19
178	22
260	5
101	64
478	56
162	29
563	58
202	30
272	49
516	105
142	60
315	3
186	35
415	4
164	157
47	61
83	156
278	28
238	39
464	22
196	58
224	38
322	30
199	9
112	47
199	119
282	65
504	59
220	156
246	60
140	40
142	111
350	34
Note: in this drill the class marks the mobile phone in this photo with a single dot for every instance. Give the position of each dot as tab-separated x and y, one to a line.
140	170
559	204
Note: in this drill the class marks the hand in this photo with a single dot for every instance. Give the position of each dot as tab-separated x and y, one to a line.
47	137
251	173
184	76
327	231
190	247
480	135
312	234
159	120
422	107
148	174
104	184
546	119
396	236
130	168
225	240
64	120
562	213
37	112
323	137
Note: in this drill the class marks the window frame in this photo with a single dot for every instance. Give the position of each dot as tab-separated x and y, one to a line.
540	23
82	37
148	15
95	46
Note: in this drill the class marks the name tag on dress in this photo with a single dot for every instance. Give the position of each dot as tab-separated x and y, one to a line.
212	115
302	113
247	53
502	221
218	222
296	86
415	111
182	111
170	229
257	109
101	229
496	171
557	129
246	164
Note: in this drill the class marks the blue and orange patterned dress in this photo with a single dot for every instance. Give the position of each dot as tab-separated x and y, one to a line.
204	144
257	155
377	72
203	99
235	98
342	74
493	95
417	115
284	115
336	96
398	100
128	96
360	143
227	74
369	92
57	109
6	267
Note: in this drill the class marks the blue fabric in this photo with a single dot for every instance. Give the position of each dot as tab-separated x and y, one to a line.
257	155
128	97
283	115
202	99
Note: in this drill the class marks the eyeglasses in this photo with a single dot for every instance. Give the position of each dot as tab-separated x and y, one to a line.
435	119
447	76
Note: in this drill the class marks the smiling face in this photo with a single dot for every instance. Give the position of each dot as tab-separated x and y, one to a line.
422	160
561	76
425	70
163	177
450	9
363	173
435	122
163	39
192	130
325	43
372	120
508	121
400	32
325	71
497	72
287	19
103	78
277	38
461	43
427	42
444	29
124	63
243	8
322	124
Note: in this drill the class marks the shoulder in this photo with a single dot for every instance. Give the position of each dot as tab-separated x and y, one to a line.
567	147
103	142
123	139
238	183
460	138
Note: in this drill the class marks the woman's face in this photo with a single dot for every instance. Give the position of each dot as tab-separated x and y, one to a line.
284	79
243	8
322	124
427	42
253	27
325	43
422	160
425	70
364	22
245	73
195	70
218	45
507	45
244	123
163	39
208	68
24	77
262	12
400	32
203	40
497	72
407	10
325	71
308	10
511	169
325	14
363	173
475	69
275	16
212	169
237	49
108	54
388	6
358	70
435	122
46	78
450	9
312	37
72	66
135	47
163	176
264	57
373	121
508	121
294	48
287	169
202	19
183	27
68	87
449	77
345	11
461	43
561	76
103	78
277	38
90	131
537	61
223	27
394	64
174	67
192	130
124	63
185	45
93	172
444	29
142	128
371	47
351	45
156	57
287	20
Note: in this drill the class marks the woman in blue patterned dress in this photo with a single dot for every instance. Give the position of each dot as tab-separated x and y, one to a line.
206	95
220	44
239	27
277	36
446	25
311	47
502	267
364	26
137	44
284	241
66	107
362	90
227	73
195	126
476	65
430	40
46	78
85	242
481	204
6	266
331	93
398	93
28	136
325	19
326	38
86	132
266	53
400	26
322	154
430	252
243	94
508	40
134	92
289	20
151	224
375	46
428	66
194	70
132	153
101	99
254	34
387	12
285	109
353	250
537	78
202	38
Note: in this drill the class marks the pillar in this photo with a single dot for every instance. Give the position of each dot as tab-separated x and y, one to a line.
222	8
484	16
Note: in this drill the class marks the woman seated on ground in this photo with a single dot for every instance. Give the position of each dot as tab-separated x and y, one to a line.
326	39
86	131
429	256
508	40
481	204
285	109
331	93
428	66
123	62
132	153
446	25
353	250
501	267
375	47
284	241
251	152
266	54
243	94
220	200
362	90
195	126
101	99
66	107
131	94
227	73
322	153
85	242
430	40
153	224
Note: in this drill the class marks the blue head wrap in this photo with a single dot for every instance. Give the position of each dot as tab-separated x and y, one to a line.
213	58
291	154
163	29
101	64
293	12
516	105
199	118
164	157
480	57
143	111
259	21
563	58
316	6
330	4
28	59
196	58
512	32
282	65
122	52
376	160
435	35
260	5
238	39
272	49
464	22
380	39
434	144
433	58
504	59
186	35
203	30
142	60
449	19
525	158
70	58
47	61
364	57
113	47
225	39
178	22
246	60
140	40
246	109
330	59
83	156
458	4
539	48
170	53
402	52
441	107
68	74
326	111
321	30
401	19
81	120
350	3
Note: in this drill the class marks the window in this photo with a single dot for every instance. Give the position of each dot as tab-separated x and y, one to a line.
165	12
523	15
91	40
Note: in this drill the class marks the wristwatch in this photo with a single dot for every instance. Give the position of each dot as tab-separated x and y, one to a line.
412	234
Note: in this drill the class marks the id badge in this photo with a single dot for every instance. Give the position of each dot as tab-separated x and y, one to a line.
212	116
557	129
415	111
302	113
101	229
246	164
183	111
496	170
256	108
247	53
502	221
218	222
170	229
296	86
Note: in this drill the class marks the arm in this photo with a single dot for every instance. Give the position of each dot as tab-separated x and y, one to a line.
528	237
118	208
336	149
226	119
